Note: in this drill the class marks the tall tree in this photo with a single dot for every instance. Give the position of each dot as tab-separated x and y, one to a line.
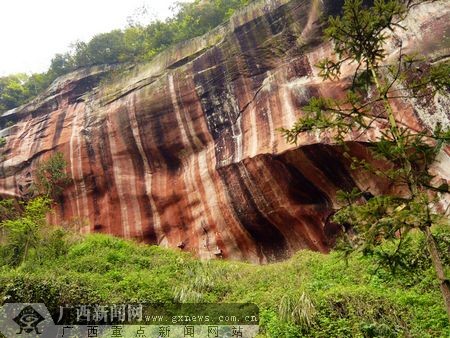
359	37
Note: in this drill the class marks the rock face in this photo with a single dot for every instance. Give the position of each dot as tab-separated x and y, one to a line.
184	151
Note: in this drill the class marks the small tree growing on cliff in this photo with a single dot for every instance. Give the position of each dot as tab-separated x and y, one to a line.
359	37
23	224
51	177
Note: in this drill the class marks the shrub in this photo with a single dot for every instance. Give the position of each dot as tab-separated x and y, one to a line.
51	177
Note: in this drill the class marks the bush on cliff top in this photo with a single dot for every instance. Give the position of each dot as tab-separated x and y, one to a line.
134	44
310	295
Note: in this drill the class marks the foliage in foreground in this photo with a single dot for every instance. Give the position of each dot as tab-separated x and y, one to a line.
23	223
405	156
310	295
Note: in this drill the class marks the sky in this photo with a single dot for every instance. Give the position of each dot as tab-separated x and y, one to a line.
33	31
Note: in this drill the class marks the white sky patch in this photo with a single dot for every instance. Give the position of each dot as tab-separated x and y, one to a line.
32	32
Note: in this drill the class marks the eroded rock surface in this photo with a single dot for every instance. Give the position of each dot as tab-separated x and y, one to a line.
184	151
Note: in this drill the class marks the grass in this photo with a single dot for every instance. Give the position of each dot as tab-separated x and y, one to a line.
309	295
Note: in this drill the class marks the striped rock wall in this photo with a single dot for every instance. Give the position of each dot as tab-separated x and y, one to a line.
184	151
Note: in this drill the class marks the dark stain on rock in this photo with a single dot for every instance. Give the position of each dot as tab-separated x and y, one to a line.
329	161
266	235
59	126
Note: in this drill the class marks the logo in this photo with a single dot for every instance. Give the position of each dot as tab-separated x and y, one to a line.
28	319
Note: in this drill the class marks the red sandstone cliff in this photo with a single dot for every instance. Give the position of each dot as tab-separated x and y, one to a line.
184	151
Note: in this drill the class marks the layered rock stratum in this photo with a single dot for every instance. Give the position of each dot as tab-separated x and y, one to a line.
185	151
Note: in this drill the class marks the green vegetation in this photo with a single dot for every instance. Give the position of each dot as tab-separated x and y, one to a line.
23	224
17	89
134	44
386	287
51	177
405	156
24	228
310	295
24	233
